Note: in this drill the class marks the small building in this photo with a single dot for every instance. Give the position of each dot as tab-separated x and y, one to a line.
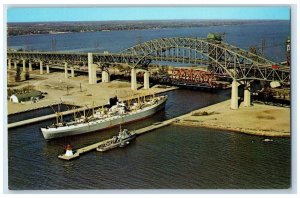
33	96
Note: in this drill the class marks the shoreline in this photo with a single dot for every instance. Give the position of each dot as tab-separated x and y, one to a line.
259	120
80	93
236	23
239	130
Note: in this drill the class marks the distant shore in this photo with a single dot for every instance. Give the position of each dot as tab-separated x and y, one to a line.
261	120
36	28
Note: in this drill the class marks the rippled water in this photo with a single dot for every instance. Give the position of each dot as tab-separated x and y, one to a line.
170	157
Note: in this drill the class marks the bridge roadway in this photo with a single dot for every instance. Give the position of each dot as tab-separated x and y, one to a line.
99	58
240	65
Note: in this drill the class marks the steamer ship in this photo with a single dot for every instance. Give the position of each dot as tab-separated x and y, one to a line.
115	114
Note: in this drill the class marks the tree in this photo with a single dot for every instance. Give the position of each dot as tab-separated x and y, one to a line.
18	74
27	75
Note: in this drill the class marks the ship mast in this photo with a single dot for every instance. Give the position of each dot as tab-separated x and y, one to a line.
74	109
128	102
56	118
93	109
84	113
59	116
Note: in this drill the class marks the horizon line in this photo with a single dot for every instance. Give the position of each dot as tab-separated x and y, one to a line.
152	20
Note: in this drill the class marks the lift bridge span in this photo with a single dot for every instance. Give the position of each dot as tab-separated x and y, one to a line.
220	57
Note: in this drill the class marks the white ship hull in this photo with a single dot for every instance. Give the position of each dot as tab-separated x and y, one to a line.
100	124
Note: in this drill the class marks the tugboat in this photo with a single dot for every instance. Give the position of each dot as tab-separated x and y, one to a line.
123	139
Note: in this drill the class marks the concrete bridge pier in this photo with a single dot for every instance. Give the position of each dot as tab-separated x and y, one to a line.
92	69
90	62
247	94
24	65
15	64
234	95
9	64
30	66
66	70
133	79
105	76
94	74
48	70
146	80
72	72
41	67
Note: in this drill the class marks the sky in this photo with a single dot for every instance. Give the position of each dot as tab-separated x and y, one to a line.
43	14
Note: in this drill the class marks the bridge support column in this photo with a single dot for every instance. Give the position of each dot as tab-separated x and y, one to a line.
9	64
24	65
15	64
133	79
94	74
66	70
41	67
72	72
146	80
92	70
234	95
48	70
105	76
247	95
30	66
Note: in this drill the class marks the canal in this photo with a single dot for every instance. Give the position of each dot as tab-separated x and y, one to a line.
170	157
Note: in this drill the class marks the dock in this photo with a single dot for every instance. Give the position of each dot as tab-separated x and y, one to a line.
83	150
42	118
152	127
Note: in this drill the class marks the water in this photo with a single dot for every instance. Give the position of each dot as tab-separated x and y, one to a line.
243	36
170	157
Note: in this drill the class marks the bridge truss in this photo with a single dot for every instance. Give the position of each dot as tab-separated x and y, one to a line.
221	58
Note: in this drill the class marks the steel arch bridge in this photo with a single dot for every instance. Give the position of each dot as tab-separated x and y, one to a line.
222	58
